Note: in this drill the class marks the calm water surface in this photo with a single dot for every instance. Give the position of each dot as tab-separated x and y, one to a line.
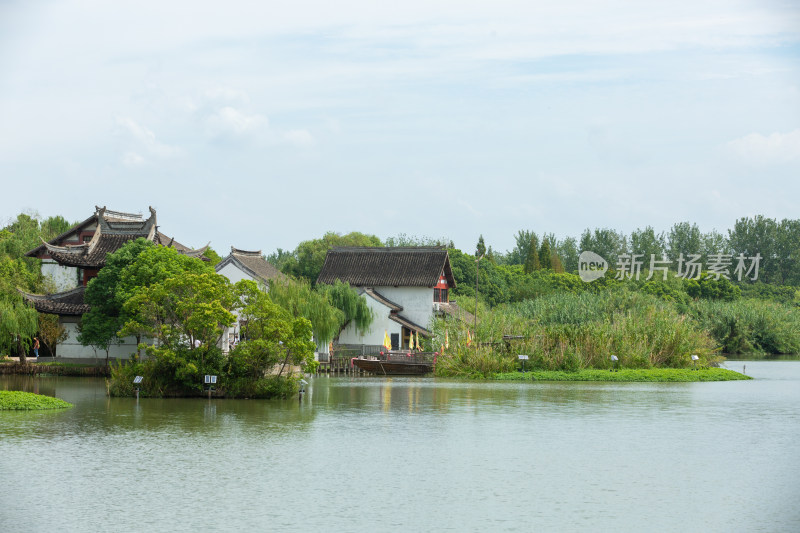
412	454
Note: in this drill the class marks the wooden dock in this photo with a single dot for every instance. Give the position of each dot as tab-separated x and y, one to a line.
340	360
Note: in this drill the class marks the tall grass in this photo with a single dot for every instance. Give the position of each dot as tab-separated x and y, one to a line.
578	331
750	325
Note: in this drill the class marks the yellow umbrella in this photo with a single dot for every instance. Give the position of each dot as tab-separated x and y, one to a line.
418	346
411	340
446	340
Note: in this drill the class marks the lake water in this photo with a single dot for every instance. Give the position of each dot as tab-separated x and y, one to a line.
412	454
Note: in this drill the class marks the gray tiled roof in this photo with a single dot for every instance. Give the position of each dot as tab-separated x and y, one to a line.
62	303
375	267
113	230
111	234
253	263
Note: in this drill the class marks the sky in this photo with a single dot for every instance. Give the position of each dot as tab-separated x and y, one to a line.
262	124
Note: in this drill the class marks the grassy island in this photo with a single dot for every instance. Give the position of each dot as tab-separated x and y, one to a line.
665	375
28	401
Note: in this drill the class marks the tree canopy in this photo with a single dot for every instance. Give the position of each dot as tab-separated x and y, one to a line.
309	256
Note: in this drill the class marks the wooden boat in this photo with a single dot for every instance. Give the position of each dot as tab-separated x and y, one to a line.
396	364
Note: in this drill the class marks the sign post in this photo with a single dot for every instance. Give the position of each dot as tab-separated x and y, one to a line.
210	381
137	381
523	358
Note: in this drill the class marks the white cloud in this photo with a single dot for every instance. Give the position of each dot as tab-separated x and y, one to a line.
143	140
769	149
230	122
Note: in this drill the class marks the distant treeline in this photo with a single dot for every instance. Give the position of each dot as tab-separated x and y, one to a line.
527	270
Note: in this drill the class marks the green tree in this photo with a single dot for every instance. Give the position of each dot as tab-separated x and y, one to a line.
136	265
758	235
51	332
185	313
279	257
684	238
402	239
607	243
568	252
480	249
106	296
545	255
53	226
519	255
713	242
532	263
273	336
327	307
18	320
309	256
788	251
212	256
647	242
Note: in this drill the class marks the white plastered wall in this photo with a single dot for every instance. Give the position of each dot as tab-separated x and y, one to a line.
64	277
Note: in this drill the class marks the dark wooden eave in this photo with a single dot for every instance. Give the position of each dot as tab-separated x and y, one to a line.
400	319
378	297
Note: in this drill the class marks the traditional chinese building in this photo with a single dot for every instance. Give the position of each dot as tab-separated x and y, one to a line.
77	255
405	288
250	265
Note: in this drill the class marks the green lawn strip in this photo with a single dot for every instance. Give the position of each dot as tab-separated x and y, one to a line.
16	400
626	374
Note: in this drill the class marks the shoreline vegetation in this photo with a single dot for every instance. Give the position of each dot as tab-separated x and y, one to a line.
651	375
575	333
28	401
742	297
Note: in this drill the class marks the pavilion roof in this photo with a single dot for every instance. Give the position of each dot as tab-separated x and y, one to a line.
113	230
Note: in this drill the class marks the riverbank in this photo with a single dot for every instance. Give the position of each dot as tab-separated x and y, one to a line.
664	375
56	369
28	401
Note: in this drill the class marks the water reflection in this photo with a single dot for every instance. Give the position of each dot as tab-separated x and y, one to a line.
448	454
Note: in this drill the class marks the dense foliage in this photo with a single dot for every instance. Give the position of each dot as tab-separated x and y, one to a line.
327	307
182	307
18	321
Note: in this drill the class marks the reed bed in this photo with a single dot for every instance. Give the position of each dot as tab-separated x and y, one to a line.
571	332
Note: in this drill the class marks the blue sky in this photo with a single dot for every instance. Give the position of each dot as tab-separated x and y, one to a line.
261	124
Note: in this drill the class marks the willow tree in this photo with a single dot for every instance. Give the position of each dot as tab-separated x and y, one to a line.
18	325
273	336
18	321
327	307
355	308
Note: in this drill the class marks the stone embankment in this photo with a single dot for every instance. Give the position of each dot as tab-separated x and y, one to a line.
57	369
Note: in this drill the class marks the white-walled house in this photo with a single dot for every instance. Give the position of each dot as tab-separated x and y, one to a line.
404	287
249	265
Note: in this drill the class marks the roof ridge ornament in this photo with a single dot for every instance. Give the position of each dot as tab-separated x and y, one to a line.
246	252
